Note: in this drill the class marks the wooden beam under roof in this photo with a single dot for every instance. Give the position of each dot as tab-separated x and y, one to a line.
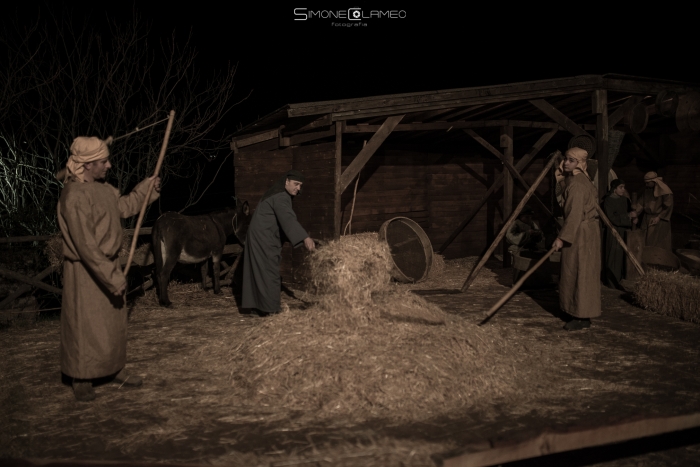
346	108
556	115
372	145
460	124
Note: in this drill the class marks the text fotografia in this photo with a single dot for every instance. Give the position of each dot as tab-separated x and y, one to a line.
351	14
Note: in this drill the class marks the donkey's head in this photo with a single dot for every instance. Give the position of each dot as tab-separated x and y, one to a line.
241	221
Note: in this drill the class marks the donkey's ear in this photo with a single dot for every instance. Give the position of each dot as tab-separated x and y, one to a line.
246	208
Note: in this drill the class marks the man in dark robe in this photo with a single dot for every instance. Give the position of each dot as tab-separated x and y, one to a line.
579	242
656	205
93	312
273	223
617	207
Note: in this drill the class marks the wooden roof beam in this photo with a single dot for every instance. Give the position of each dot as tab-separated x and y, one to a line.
461	124
553	113
368	151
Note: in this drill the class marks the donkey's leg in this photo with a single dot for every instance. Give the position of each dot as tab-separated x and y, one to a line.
216	261
204	269
169	260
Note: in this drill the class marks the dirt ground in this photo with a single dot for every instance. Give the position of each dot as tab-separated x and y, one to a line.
630	363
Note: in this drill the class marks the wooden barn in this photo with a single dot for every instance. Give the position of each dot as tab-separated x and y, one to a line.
442	158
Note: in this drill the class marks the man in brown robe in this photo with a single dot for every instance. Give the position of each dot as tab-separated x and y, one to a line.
579	242
656	205
93	312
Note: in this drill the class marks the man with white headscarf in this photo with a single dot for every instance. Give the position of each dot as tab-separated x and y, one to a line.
579	242
656	205
93	312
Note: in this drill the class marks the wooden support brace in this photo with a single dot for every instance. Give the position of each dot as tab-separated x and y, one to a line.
339	127
24	288
522	163
29	280
372	145
617	116
513	170
554	113
516	213
600	108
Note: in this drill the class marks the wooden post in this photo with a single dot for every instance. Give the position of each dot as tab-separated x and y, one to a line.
507	145
600	109
338	170
522	163
516	213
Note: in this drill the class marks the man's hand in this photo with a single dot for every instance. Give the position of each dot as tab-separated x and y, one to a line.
632	214
309	244
654	221
558	244
156	186
635	220
121	290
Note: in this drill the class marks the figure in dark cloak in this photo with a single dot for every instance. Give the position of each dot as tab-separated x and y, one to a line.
618	208
273	223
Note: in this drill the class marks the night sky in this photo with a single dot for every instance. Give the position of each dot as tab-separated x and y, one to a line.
434	46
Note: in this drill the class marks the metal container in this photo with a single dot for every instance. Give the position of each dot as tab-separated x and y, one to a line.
410	247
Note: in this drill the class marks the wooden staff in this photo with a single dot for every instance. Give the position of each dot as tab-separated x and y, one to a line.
513	217
150	190
515	288
619	239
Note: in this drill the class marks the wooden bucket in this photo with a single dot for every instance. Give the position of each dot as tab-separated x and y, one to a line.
688	112
411	250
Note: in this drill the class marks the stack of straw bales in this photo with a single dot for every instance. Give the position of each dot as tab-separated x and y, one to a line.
368	348
669	293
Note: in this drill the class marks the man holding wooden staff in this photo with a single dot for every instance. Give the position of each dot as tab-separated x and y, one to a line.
93	311
655	206
579	242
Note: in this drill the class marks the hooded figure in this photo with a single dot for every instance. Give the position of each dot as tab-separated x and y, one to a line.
579	242
656	205
93	312
617	208
273	223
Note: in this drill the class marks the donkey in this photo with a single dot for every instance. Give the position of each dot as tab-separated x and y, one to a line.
195	239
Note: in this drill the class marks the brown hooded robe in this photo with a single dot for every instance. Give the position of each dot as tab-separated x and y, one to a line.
579	283
93	319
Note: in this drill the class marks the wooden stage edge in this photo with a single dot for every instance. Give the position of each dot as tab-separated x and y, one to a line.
551	443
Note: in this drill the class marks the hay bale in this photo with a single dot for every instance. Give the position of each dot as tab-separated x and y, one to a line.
669	293
438	266
345	273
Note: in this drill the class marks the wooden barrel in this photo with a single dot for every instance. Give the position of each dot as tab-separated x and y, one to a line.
586	142
411	250
636	118
688	112
667	103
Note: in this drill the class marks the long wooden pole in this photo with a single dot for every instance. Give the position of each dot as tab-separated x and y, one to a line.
150	190
513	217
619	239
544	139
515	288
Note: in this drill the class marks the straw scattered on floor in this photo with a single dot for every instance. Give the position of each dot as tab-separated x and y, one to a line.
669	293
367	347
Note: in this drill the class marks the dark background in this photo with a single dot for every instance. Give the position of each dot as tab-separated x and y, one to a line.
437	46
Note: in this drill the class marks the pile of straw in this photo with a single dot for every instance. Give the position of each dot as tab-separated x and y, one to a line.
368	348
669	293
